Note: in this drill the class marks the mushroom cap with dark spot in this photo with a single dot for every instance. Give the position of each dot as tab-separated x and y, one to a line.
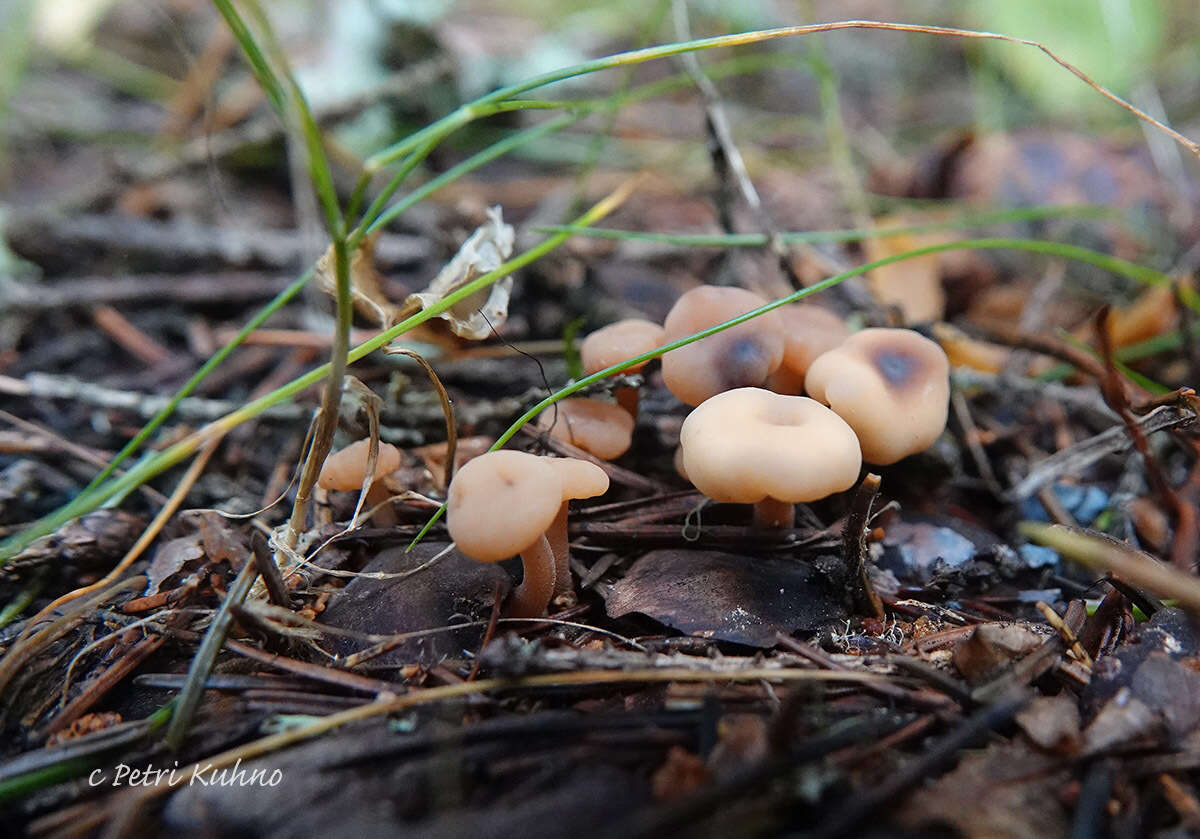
500	503
741	356
604	429
745	445
619	342
891	385
345	469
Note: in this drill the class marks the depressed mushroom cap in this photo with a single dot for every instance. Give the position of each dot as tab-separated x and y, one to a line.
619	341
344	470
742	356
500	503
748	444
604	429
891	385
580	479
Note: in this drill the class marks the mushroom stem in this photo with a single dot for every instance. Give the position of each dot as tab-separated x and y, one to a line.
773	513
556	535
384	515
627	398
533	595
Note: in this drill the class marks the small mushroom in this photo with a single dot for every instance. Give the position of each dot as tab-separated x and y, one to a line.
741	356
809	332
752	446
891	385
604	429
345	470
507	502
618	342
580	479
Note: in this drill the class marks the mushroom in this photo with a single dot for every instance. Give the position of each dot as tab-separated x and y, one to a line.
507	502
619	342
744	355
752	446
604	429
580	479
891	385
809	331
346	470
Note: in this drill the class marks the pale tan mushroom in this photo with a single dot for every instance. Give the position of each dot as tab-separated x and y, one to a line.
809	331
752	446
891	385
604	429
500	504
580	479
619	342
345	470
744	355
505	503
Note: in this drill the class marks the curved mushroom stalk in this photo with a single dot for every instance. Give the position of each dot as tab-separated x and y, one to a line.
532	597
773	513
556	535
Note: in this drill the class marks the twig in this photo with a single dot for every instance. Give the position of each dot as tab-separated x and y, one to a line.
1086	452
47	386
1187	530
1101	553
854	546
447	408
202	663
272	578
944	752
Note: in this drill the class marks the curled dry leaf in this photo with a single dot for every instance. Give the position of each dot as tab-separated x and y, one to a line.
365	282
485	250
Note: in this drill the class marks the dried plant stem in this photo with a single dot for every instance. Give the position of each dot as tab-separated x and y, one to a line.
447	407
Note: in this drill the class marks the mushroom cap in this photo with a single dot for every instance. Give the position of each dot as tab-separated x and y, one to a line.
891	385
345	469
500	503
742	356
748	444
809	332
619	341
580	478
604	429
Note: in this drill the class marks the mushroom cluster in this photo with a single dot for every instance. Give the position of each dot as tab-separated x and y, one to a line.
506	503
604	429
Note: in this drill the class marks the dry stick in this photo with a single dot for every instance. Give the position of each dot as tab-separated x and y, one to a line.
19	654
854	545
95	690
28	644
330	675
84	454
273	580
726	158
943	753
1101	553
447	408
206	656
1187	534
1086	452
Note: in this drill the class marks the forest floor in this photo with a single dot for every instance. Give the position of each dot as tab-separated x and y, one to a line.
1034	669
